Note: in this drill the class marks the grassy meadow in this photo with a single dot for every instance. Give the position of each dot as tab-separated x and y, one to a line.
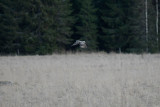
80	80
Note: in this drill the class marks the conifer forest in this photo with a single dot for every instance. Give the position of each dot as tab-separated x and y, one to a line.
51	26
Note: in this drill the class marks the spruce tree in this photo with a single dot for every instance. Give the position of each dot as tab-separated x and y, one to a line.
8	25
140	41
85	25
114	26
63	23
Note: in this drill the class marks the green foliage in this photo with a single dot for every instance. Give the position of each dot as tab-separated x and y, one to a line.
63	22
47	26
114	28
86	26
34	27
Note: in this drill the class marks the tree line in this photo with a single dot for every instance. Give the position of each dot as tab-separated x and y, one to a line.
48	26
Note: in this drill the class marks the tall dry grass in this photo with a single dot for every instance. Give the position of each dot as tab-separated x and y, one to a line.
80	80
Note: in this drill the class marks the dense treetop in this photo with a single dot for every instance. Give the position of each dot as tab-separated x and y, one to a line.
48	26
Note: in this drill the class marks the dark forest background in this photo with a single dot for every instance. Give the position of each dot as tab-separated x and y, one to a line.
48	26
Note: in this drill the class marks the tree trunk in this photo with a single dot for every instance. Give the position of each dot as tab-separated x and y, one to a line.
157	24
146	12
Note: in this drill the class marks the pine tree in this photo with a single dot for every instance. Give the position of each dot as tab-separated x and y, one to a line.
86	26
143	26
63	23
8	25
114	28
52	25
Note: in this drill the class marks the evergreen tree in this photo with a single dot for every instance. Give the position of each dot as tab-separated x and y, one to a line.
138	24
35	27
114	27
8	25
63	23
52	25
85	26
47	26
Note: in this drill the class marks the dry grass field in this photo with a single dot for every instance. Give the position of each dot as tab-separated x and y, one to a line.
80	80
